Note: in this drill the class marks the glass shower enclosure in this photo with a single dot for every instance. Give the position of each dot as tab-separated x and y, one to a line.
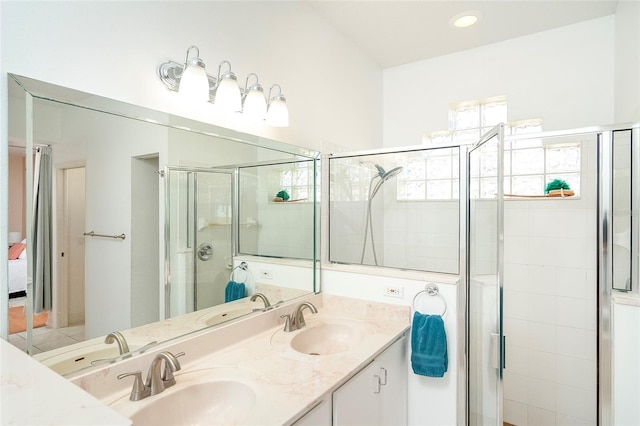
484	278
199	246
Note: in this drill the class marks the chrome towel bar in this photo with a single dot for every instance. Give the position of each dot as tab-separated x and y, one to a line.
93	234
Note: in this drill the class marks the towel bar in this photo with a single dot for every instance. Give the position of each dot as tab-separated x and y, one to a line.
93	234
432	290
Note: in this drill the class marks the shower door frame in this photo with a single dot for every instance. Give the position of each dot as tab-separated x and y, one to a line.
465	299
193	229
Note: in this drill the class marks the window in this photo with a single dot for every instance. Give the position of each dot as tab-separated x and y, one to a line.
297	179
431	176
528	164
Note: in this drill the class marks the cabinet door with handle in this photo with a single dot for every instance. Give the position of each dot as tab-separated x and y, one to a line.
377	395
393	403
354	403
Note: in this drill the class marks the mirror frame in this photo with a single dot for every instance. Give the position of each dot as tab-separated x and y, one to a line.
35	89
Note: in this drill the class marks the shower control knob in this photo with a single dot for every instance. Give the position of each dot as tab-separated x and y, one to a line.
205	251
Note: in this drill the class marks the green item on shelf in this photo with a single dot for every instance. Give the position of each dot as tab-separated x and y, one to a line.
283	194
556	184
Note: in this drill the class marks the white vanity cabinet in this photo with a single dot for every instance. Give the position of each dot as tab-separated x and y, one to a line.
377	395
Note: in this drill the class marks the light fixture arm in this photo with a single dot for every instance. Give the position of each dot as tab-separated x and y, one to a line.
254	85
279	95
220	69
186	59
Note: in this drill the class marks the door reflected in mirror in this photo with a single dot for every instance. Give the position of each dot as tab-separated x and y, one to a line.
151	215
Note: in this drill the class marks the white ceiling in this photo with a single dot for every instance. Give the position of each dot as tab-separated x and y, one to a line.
398	32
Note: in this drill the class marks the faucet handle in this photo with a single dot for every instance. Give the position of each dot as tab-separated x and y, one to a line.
139	390
287	323
167	375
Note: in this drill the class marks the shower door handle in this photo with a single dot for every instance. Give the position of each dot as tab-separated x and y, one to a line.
504	352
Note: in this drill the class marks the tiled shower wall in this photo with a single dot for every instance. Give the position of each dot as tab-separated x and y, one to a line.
550	308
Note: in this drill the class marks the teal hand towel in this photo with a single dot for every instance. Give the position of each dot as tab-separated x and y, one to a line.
428	345
233	291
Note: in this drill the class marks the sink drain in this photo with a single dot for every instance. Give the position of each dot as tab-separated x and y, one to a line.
314	353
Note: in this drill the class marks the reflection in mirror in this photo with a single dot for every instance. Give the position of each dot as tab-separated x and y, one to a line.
621	212
144	217
396	209
273	198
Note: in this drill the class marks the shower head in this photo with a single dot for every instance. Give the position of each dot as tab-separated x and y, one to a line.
391	173
384	176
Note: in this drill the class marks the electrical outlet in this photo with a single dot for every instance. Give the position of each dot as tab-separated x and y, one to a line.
392	291
267	275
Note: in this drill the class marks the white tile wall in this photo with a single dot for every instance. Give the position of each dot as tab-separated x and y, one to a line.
550	313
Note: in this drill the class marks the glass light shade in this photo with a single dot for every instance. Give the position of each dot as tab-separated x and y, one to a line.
194	84
255	105
278	113
228	95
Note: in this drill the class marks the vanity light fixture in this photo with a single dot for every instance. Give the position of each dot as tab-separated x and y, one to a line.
191	78
277	111
254	105
465	19
194	83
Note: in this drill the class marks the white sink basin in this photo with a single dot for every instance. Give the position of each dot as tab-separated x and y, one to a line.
226	316
78	361
220	316
219	402
329	338
75	359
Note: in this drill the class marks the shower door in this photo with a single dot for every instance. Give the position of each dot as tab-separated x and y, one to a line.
198	251
485	342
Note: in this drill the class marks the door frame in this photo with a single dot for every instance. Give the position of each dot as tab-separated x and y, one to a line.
497	131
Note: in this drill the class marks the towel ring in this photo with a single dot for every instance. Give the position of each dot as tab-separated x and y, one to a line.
432	290
243	266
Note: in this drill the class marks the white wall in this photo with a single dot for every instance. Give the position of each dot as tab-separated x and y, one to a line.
112	49
564	76
627	62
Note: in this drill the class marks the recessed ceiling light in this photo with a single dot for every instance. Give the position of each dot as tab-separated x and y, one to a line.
465	19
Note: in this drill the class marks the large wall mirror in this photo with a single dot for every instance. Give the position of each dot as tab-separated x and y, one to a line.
145	226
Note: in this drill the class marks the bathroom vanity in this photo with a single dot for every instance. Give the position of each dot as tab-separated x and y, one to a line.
347	364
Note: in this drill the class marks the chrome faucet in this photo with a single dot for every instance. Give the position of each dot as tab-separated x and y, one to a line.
116	336
267	305
295	321
156	381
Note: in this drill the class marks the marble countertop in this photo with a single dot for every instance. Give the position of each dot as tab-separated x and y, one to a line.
32	394
257	352
96	351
